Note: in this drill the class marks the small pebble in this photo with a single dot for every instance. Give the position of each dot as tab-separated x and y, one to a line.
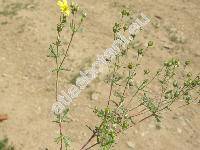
131	144
95	96
179	130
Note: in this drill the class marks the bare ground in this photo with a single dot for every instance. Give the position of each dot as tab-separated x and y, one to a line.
27	85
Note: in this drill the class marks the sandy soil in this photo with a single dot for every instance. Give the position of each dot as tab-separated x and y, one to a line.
27	85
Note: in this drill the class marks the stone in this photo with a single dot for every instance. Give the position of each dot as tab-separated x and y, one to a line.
130	144
95	96
179	130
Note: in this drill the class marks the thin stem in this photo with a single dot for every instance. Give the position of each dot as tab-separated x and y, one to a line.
129	77
111	85
57	72
126	86
140	112
58	67
57	77
88	141
145	118
66	52
61	141
136	107
57	84
142	86
92	146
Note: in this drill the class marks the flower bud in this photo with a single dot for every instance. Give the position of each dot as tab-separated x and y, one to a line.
150	43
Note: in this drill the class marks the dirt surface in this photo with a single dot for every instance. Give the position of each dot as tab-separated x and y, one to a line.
27	84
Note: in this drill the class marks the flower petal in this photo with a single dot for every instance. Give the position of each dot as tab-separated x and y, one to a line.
59	3
65	2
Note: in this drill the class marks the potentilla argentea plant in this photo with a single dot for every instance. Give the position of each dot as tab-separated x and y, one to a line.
71	17
131	100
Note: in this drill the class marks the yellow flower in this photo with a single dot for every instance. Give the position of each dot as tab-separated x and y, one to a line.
64	7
